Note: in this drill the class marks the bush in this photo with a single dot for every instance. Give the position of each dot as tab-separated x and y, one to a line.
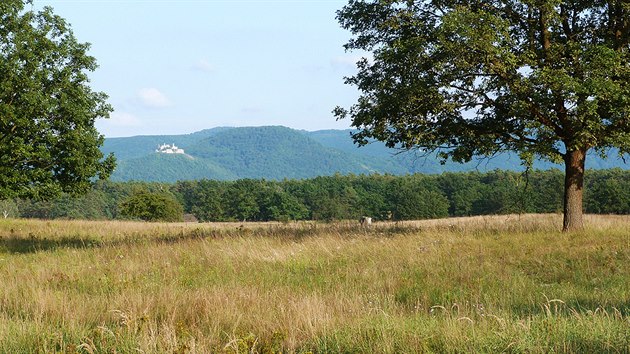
151	206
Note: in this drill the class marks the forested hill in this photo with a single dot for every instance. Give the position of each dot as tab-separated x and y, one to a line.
276	152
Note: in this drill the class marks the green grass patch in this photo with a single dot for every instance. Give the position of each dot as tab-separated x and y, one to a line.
458	285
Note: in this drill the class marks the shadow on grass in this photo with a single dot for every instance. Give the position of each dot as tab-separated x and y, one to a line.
23	244
19	245
32	244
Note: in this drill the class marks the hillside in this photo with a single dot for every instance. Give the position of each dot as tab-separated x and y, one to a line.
169	168
417	162
144	145
276	152
231	153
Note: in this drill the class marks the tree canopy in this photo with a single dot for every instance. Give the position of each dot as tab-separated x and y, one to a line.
546	78
339	197
48	142
152	206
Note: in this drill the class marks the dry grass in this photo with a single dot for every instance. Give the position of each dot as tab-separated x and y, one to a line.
484	284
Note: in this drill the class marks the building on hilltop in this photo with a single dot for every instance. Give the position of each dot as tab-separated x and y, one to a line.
169	149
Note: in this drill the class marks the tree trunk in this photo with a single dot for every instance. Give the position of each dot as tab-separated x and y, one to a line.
573	190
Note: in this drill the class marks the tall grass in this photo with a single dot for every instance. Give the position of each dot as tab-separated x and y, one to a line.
485	284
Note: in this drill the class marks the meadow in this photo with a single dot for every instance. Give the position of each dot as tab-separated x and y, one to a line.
482	284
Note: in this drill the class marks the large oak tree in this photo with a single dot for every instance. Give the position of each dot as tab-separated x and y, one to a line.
546	78
48	142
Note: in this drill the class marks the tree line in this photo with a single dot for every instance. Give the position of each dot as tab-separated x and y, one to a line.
546	79
337	197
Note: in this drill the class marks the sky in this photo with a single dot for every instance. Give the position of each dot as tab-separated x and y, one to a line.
180	66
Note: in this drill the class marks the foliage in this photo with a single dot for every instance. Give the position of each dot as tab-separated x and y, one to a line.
240	199
607	192
151	206
202	198
277	204
383	197
531	75
9	208
158	167
549	79
93	206
102	202
273	153
278	152
48	142
417	198
133	147
331	198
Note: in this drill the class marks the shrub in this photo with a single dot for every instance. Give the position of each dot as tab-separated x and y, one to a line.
151	206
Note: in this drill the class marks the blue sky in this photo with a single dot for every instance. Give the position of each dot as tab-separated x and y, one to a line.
173	67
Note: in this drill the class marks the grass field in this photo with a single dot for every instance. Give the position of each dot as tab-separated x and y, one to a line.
485	284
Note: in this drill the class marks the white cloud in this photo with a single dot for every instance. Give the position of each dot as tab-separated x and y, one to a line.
203	65
153	98
124	119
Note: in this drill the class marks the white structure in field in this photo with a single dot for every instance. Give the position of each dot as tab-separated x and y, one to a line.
169	149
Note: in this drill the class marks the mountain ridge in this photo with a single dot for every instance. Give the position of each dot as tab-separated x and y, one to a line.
278	152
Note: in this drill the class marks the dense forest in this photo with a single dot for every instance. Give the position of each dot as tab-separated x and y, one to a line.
338	197
276	153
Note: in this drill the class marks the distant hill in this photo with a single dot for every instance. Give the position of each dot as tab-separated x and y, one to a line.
276	152
144	145
158	167
412	161
429	163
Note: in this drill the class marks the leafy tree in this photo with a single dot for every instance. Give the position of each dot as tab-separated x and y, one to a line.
545	191
48	142
202	198
462	190
608	192
414	197
91	206
372	191
546	78
276	204
240	199
332	198
502	192
152	206
9	209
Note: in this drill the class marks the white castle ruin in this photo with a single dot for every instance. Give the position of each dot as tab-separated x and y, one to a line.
169	149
